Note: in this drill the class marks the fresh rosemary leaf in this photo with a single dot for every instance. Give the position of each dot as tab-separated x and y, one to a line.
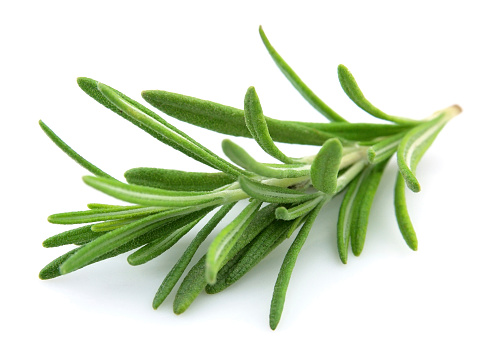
191	287
223	273
152	196
384	149
401	212
357	131
72	154
302	88
174	137
273	194
353	91
283	279
345	218
176	272
226	239
51	270
102	214
229	120
257	125
416	142
73	236
195	281
362	205
110	241
177	180
159	246
114	224
325	168
240	157
300	210
258	249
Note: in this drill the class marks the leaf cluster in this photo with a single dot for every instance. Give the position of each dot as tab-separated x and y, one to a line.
164	205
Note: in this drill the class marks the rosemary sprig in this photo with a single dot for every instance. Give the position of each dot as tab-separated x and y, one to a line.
168	204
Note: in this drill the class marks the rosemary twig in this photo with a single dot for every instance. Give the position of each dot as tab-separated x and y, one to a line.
167	204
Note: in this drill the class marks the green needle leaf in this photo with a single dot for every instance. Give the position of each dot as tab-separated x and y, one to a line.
176	272
72	154
159	246
256	251
416	142
191	287
357	131
283	279
240	157
401	212
353	91
345	219
177	180
302	88
325	168
195	281
102	214
229	120
51	270
257	125
73	236
362	205
155	197
274	194
226	240
175	138
110	241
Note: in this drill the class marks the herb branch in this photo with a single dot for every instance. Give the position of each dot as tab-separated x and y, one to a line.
283	198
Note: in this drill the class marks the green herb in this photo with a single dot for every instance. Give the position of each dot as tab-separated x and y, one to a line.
166	204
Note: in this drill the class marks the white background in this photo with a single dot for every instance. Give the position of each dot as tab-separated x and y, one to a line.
410	58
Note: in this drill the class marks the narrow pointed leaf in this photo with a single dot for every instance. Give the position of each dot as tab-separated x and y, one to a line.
151	196
302	88
175	138
257	250
72	154
257	125
240	157
274	194
416	142
176	272
102	214
345	218
325	168
362	205
357	131
353	91
51	270
191	287
177	180
401	212
229	120
195	281
73	236
283	279
159	246
226	239
110	241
